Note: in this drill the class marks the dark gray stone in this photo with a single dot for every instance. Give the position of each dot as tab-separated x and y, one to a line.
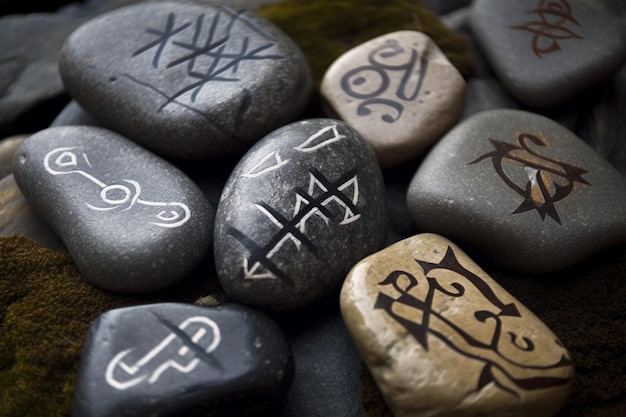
178	359
441	7
74	115
547	52
29	75
327	364
186	81
301	208
131	221
521	190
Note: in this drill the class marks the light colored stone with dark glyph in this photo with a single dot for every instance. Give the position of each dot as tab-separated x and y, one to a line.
398	90
521	190
546	52
302	206
442	338
131	221
185	80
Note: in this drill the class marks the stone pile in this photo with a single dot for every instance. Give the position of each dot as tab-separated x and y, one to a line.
302	214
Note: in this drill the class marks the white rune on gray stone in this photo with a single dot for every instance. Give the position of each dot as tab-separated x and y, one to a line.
521	190
185	80
174	359
131	221
545	52
301	207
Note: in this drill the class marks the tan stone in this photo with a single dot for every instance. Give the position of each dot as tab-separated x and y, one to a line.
399	91
442	338
8	146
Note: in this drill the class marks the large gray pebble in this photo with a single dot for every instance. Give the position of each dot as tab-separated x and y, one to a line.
520	189
300	209
131	221
184	80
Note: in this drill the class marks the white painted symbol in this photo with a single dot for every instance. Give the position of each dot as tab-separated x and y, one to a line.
61	161
262	167
320	139
307	205
171	353
314	183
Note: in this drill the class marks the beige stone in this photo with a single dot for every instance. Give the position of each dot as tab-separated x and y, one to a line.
399	91
8	146
442	338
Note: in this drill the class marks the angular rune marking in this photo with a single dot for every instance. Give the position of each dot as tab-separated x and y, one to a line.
539	193
320	139
435	323
312	202
182	350
261	167
210	54
550	28
369	81
61	161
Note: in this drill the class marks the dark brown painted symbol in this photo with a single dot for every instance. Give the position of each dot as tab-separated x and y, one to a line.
550	28
498	368
209	53
369	81
549	180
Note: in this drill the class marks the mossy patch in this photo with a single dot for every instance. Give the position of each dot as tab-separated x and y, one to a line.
325	29
45	312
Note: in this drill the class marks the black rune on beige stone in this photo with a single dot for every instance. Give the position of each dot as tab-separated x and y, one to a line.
184	80
520	189
301	207
180	360
131	221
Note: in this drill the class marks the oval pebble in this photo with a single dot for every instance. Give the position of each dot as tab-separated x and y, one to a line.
302	206
184	80
173	359
131	221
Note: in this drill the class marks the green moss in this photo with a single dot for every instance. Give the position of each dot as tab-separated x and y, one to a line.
45	311
324	29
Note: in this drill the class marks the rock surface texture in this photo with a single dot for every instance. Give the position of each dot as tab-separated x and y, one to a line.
520	189
301	207
132	221
399	91
179	359
441	338
544	51
184	80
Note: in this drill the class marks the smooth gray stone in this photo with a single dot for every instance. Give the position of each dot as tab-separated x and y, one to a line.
175	359
547	52
521	190
74	115
186	81
131	221
299	210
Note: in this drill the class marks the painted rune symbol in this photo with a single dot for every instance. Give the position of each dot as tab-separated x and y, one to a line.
550	28
208	54
314	201
498	369
369	82
549	180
